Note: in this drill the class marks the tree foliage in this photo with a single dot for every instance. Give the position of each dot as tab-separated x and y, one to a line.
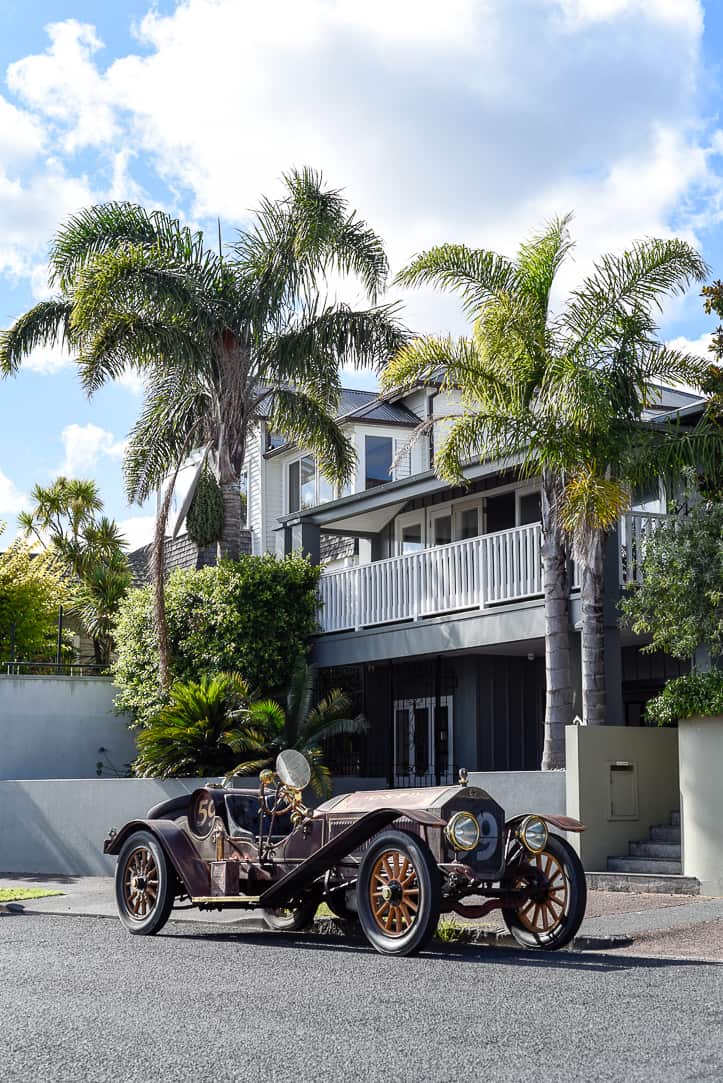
252	617
562	394
204	521
32	588
695	694
679	602
65	520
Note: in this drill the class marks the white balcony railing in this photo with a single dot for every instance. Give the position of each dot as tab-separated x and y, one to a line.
635	528
467	574
475	573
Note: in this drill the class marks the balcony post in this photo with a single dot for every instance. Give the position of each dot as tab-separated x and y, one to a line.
303	538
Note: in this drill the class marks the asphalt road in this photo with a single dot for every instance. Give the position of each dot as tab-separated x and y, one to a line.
81	1000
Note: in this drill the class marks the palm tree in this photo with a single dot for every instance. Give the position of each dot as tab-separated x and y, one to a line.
91	550
522	361
223	342
302	726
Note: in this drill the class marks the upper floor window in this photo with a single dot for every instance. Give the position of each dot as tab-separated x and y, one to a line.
306	485
274	440
378	458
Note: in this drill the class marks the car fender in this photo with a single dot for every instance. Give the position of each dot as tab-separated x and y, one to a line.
192	872
563	823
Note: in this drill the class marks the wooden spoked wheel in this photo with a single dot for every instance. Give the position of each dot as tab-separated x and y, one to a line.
543	915
140	883
394	893
552	912
145	884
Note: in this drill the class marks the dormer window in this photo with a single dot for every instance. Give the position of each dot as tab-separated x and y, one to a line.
306	485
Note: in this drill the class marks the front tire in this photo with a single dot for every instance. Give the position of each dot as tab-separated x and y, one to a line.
145	885
398	894
550	922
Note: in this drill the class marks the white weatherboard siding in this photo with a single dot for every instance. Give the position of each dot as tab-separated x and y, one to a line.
254	466
273	503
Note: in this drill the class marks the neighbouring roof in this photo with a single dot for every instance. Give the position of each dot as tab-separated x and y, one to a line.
668	400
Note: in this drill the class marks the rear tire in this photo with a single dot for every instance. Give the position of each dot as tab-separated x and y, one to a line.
398	894
551	922
145	884
289	920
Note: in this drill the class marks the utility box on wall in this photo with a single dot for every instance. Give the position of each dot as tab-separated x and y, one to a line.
623	790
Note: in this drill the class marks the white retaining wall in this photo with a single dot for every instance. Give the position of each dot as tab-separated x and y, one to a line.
53	727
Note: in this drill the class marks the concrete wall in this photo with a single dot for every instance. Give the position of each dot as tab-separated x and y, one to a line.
590	752
57	826
53	727
700	742
524	791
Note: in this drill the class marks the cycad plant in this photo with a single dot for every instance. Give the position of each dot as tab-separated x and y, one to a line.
559	394
205	727
302	725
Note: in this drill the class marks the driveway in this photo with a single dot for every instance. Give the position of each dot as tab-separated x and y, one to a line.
80	999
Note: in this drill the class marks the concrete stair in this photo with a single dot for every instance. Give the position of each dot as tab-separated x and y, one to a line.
653	864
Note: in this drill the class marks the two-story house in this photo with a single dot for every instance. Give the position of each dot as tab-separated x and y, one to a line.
431	596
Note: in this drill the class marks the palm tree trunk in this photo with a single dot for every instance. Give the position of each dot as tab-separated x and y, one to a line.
558	678
594	694
229	544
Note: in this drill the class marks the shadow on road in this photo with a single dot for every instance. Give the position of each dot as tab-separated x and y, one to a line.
457	953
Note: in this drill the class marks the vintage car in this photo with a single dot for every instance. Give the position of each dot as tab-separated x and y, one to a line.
393	860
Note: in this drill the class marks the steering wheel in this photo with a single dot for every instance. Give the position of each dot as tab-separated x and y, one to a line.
280	801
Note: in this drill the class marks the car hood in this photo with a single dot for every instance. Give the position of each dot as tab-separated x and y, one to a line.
423	797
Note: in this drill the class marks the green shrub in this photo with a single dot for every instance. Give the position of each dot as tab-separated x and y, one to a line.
695	694
252	617
204	521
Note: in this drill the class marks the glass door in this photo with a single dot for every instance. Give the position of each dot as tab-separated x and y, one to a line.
423	741
440	527
410	533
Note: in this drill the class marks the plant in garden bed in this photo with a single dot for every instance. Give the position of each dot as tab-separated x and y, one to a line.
300	725
216	726
203	729
252	616
679	603
17	894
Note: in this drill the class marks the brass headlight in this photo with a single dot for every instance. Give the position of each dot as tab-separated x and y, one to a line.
462	831
533	833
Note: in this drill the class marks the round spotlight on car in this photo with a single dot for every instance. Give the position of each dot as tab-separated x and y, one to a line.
533	832
462	831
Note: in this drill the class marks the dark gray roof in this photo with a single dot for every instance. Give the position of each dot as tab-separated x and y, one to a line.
666	400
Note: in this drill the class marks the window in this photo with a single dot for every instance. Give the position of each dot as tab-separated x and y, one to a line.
442	529
529	509
468	523
378	455
412	538
294	502
307	487
274	440
308	481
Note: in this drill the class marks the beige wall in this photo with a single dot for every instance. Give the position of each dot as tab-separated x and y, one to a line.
591	750
701	791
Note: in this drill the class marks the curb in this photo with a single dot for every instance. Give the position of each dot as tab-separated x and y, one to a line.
470	934
464	934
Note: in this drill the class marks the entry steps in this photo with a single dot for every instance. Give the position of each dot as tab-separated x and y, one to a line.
654	865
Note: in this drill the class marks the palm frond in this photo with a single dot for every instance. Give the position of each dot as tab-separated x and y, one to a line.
301	417
477	275
46	324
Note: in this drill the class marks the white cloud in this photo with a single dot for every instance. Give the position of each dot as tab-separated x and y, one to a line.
12	500
699	346
84	446
472	120
21	136
138	530
48	360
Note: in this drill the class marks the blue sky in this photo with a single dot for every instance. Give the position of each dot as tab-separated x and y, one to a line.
471	120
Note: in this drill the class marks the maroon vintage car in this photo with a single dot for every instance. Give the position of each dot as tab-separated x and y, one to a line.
391	859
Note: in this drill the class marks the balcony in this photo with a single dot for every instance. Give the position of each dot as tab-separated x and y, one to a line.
473	574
